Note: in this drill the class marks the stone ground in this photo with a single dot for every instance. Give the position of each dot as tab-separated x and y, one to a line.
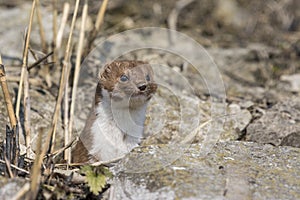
255	124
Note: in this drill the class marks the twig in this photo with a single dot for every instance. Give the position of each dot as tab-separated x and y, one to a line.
54	26
15	167
100	15
36	169
26	104
108	162
40	22
66	114
12	135
63	24
75	81
58	44
39	61
25	57
7	163
52	132
17	79
9	105
96	29
33	53
70	144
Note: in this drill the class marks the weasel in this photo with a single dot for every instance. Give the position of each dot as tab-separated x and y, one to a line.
116	122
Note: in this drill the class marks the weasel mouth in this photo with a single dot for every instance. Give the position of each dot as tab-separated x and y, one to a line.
141	94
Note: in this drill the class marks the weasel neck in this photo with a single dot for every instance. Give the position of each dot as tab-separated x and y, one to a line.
129	120
115	131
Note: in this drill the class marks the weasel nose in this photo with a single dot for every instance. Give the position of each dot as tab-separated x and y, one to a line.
142	87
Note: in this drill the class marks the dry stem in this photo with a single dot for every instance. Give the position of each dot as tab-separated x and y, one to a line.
36	170
69	145
75	81
25	57
17	79
66	113
54	26
40	22
100	15
98	23
63	24
26	103
12	135
25	79
36	63
9	105
11	175
15	167
52	131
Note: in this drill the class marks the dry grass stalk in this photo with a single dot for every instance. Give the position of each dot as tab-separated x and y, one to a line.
54	27
24	76
25	59
100	15
26	104
31	80
36	169
7	163
45	69
25	80
66	111
69	145
41	29
38	62
75	81
15	167
9	105
12	137
52	131
97	26
63	24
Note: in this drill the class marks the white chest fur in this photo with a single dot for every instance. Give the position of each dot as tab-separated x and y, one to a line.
116	131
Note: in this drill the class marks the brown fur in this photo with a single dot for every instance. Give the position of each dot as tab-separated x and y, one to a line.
79	153
111	72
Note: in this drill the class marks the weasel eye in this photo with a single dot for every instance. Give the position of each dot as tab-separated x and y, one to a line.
147	78
124	78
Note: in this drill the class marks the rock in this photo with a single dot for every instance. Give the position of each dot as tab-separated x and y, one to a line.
236	121
277	124
293	80
232	170
292	140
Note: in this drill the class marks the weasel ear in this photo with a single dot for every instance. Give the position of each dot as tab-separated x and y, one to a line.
150	70
104	71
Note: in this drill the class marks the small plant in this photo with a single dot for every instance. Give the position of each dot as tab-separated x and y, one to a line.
96	177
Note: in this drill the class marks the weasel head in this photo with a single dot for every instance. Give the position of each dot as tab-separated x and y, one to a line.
129	83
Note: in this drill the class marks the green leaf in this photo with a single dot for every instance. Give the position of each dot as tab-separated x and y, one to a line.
96	177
